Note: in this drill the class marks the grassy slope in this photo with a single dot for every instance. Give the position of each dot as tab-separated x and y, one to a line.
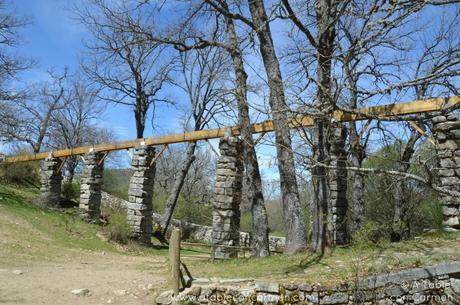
344	262
30	233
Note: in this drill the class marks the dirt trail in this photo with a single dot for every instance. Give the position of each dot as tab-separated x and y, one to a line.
110	279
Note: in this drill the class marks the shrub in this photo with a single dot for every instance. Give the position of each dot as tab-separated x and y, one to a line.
372	233
117	228
431	210
24	173
71	191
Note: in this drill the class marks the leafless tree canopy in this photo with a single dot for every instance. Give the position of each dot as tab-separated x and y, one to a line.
130	71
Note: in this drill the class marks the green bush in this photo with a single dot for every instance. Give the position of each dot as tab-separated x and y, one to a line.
372	233
71	191
116	182
23	173
117	228
431	210
189	211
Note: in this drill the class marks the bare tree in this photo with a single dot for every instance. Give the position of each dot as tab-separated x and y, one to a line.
77	124
130	71
204	82
189	38
328	138
351	34
437	65
259	233
10	63
259	23
33	113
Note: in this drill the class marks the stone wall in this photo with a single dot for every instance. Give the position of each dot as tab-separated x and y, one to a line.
446	130
439	284
140	194
227	199
50	180
91	185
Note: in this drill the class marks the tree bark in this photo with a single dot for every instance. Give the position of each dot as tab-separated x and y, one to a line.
44	127
319	207
293	216
356	156
71	165
177	187
140	112
321	226
259	234
400	192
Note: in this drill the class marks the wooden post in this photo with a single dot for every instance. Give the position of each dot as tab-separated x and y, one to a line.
174	256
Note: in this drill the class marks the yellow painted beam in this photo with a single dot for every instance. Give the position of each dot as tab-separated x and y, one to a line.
376	112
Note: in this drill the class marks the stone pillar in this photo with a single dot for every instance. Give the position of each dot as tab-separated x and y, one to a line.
337	178
140	194
227	200
50	179
90	186
446	131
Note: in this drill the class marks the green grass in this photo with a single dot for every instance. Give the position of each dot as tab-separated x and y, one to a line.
343	263
32	232
45	231
28	232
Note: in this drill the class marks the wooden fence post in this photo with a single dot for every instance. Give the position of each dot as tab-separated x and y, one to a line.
174	257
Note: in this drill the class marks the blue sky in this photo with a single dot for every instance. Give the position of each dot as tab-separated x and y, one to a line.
54	38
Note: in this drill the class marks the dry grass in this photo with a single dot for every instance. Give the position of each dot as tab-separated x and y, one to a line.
343	263
28	233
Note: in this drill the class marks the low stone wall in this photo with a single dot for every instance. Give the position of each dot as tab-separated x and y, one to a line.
193	232
439	284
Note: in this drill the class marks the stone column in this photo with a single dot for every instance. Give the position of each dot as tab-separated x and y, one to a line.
50	179
446	130
227	200
337	178
90	186
140	194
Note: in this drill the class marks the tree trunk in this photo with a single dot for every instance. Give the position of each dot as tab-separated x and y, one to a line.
400	192
259	234
71	165
43	129
321	226
177	187
293	216
140	112
356	157
319	206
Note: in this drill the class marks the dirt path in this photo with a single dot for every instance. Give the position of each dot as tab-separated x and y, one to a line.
109	278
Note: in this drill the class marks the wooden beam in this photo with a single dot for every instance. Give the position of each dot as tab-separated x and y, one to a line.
421	131
159	154
376	112
103	158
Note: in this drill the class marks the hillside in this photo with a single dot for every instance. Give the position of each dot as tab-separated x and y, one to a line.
48	254
45	255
